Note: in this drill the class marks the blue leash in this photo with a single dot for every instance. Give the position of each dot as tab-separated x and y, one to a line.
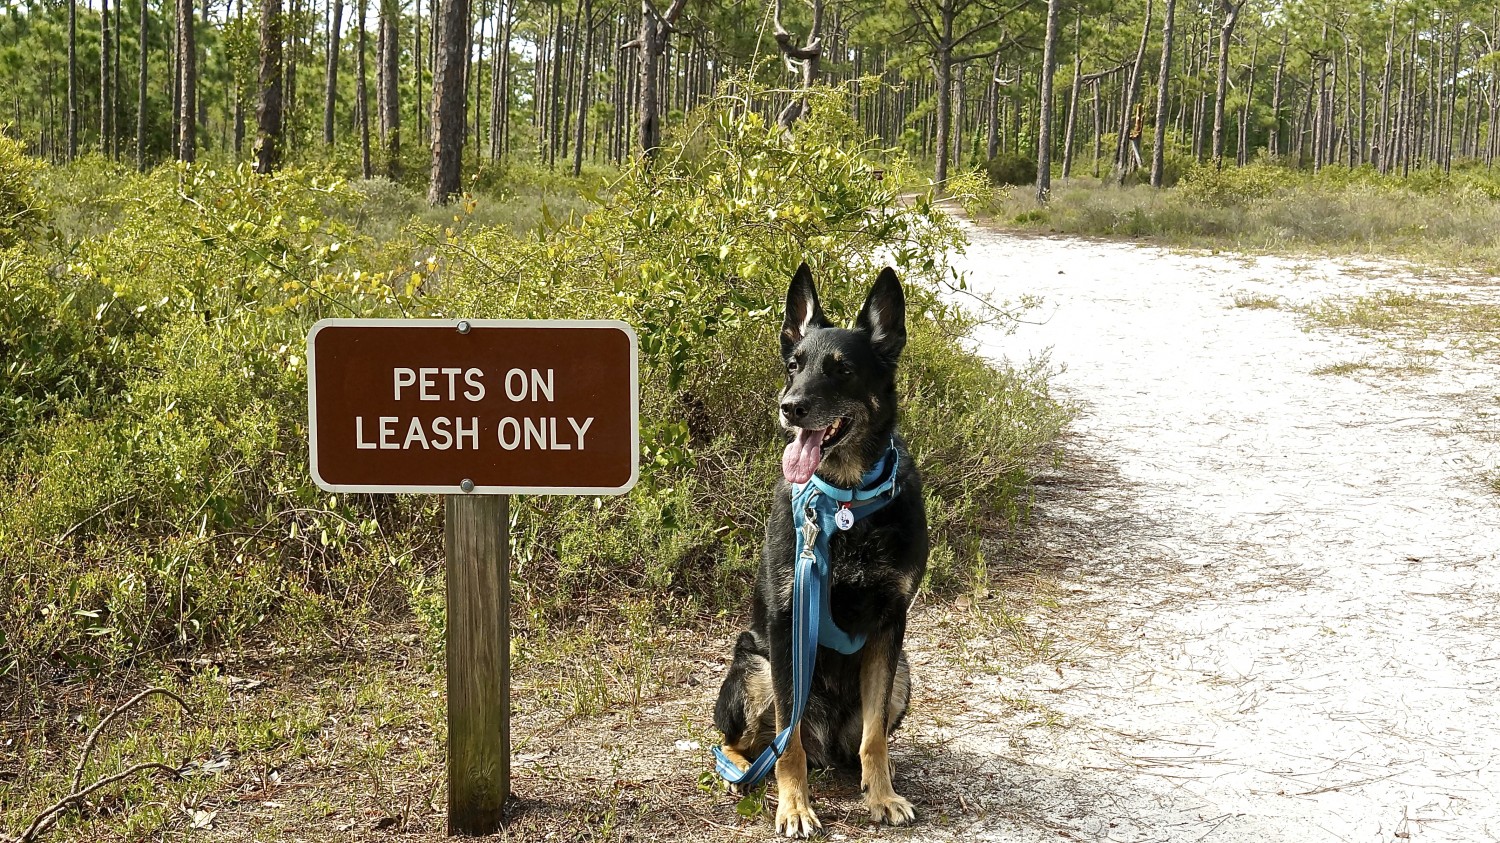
824	508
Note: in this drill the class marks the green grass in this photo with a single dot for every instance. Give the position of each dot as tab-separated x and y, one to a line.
1428	217
1250	301
1450	319
1346	368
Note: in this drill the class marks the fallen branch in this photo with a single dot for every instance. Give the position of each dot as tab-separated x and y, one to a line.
88	745
54	812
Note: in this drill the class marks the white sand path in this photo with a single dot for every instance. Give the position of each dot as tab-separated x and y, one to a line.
1282	589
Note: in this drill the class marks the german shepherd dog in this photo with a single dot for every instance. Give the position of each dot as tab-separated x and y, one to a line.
839	412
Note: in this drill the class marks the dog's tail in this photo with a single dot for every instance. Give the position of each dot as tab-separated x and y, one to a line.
729	711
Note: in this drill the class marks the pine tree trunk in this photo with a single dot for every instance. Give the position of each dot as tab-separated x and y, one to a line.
176	87
141	89
1159	141
114	84
1127	145
239	92
448	103
1068	133
331	73
1098	131
587	34
72	79
477	74
291	104
497	73
555	105
1242	151
268	106
1221	89
417	69
1274	141
1044	112
390	94
187	141
569	90
992	112
362	92
943	115
651	44
505	73
105	106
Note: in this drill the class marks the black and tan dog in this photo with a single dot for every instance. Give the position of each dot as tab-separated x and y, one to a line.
839	410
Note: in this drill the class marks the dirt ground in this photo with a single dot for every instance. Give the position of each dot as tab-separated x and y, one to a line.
1295	573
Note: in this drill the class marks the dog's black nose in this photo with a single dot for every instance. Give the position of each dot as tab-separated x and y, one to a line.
793	409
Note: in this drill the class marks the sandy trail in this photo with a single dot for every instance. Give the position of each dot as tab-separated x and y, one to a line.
1281	596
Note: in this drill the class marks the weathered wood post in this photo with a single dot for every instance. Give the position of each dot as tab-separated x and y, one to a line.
478	555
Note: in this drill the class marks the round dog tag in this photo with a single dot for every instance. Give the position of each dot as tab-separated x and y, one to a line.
844	518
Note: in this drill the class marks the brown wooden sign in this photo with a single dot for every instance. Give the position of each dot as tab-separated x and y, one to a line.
473	406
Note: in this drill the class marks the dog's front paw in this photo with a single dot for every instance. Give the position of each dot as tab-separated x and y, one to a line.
890	808
794	816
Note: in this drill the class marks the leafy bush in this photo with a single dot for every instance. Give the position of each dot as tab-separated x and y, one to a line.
20	205
1011	168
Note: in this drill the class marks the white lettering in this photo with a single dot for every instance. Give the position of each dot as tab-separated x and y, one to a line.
452	373
428	379
536	432
557	445
471	433
514	441
587	423
388	433
414	433
442	437
539	387
359	435
476	392
403	377
518	394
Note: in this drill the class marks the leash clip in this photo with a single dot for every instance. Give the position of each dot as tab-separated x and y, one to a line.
809	532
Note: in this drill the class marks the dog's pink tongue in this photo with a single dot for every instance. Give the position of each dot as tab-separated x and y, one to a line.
802	454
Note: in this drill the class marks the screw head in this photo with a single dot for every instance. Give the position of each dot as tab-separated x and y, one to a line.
467	485
463	327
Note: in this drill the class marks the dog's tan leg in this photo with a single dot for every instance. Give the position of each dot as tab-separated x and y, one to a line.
875	678
794	813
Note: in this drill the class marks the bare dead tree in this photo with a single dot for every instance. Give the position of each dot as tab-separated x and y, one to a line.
652	43
803	61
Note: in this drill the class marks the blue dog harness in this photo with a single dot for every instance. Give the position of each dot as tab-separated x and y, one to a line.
824	508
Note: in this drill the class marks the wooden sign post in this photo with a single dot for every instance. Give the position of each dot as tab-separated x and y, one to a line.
474	410
478	555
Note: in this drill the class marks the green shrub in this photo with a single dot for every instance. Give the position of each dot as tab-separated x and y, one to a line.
21	209
1011	168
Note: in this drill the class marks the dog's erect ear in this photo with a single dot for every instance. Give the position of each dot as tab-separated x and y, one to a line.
884	316
803	312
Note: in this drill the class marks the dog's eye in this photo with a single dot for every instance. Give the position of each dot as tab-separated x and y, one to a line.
791	367
845	369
